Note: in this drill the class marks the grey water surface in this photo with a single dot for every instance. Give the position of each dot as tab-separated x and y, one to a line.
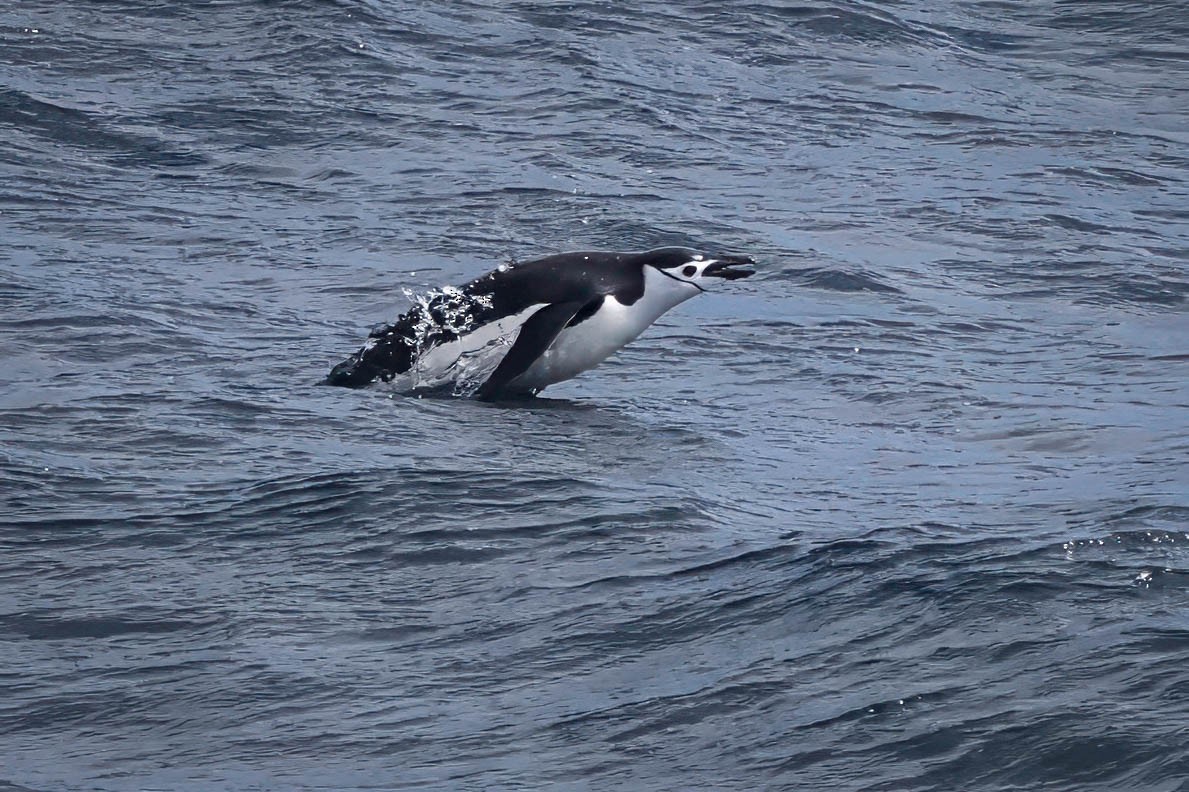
907	510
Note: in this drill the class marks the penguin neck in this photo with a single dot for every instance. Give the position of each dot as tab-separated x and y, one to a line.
662	293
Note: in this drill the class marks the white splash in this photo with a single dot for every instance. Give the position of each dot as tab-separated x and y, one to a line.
465	362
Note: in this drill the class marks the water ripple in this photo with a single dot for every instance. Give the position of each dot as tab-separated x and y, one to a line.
904	511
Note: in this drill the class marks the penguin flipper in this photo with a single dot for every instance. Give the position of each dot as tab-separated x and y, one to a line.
535	337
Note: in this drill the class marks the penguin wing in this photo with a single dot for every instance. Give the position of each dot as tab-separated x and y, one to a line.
535	337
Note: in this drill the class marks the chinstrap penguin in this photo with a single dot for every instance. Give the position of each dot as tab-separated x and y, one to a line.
548	319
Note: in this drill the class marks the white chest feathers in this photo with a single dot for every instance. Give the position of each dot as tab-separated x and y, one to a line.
608	330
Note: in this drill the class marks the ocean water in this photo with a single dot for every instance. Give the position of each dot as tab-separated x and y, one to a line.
907	510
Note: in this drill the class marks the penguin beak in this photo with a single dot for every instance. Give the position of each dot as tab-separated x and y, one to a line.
728	267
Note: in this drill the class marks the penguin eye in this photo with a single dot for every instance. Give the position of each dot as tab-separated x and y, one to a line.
689	271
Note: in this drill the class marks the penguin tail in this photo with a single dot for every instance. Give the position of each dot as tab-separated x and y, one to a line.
351	373
382	359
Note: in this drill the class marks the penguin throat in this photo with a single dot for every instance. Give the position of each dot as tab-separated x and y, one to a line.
679	280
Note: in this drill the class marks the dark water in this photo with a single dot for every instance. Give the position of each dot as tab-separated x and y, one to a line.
909	510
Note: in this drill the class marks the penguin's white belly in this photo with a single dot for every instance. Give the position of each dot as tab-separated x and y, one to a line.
589	343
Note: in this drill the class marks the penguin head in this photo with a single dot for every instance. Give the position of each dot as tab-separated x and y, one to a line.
696	268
